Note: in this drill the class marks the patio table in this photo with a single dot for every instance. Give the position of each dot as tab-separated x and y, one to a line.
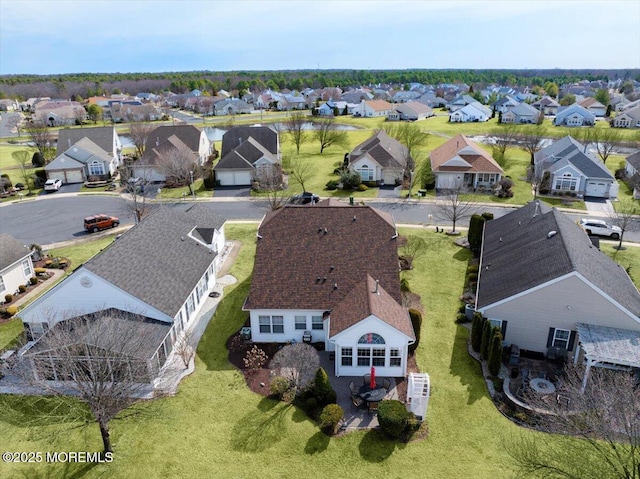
542	386
372	395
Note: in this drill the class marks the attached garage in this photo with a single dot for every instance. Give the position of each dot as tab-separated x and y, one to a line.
234	177
597	188
66	176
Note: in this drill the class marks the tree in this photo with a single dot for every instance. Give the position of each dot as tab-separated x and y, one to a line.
184	349
605	139
179	164
425	176
40	135
139	133
495	352
98	358
328	135
412	137
23	159
474	235
622	216
606	417
453	205
95	112
536	176
302	171
134	199
602	95
485	341
552	89
504	138
272	183
532	140
477	325
297	363
568	99
295	128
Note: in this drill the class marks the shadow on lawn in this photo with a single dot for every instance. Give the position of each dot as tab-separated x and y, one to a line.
376	447
466	368
259	430
317	443
228	319
36	411
67	470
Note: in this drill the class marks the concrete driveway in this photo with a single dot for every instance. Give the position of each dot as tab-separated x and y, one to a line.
598	206
232	191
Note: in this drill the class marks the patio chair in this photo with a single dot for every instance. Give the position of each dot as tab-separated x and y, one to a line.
386	383
367	379
357	401
525	375
352	389
373	407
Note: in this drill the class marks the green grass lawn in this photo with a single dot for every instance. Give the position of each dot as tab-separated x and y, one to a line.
9	332
81	252
216	427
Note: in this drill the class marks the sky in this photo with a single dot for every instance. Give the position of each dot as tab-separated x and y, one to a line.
54	37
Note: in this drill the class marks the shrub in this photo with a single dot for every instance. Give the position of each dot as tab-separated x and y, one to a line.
41	176
495	352
321	386
362	187
255	358
22	288
487	216
485	343
12	310
330	418
476	331
472	277
37	160
332	185
416	322
461	318
476	225
395	421
331	397
7	181
40	270
311	406
8	298
33	280
278	386
463	307
350	180
404	285
473	268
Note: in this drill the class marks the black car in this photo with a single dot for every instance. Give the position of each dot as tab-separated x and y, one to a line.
304	198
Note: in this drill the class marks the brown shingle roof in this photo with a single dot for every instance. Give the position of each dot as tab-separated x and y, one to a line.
363	301
379	105
480	160
303	253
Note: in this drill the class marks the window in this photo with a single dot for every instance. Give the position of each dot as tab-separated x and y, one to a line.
2	286
371	338
496	323
347	357
487	177
566	182
190	305
364	356
366	173
378	356
271	324
316	322
301	322
96	168
561	338
395	359
26	267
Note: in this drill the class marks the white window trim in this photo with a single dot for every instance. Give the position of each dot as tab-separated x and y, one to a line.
555	337
271	323
297	322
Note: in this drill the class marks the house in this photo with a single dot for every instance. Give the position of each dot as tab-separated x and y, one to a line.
162	269
380	158
59	112
127	112
547	105
373	108
504	104
7	104
632	168
83	161
410	111
627	119
248	152
193	137
460	102
521	113
572	169
355	96
462	163
594	106
574	115
472	112
331	272
106	137
231	107
16	265
549	289
156	163
404	96
328	108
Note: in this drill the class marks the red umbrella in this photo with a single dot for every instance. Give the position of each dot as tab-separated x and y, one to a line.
372	385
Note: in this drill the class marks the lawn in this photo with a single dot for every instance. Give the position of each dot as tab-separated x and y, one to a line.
81	252
216	427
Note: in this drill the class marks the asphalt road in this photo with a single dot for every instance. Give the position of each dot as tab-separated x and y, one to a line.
59	218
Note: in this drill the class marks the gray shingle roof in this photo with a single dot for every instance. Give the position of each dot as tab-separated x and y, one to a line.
568	150
264	135
11	250
188	134
517	255
387	151
157	261
634	160
244	156
103	136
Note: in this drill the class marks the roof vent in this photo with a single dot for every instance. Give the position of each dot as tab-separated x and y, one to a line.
354	217
551	234
326	231
181	238
335	286
500	239
332	268
377	284
319	230
318	279
324	280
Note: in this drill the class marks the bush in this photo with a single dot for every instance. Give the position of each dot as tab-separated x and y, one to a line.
487	216
473	268
416	322
362	187
33	280
332	185
311	406
321	386
8	298
485	343
472	277
404	285
476	226
461	318
37	160
278	386
41	176
495	352
476	331
330	418
350	180
22	288
12	310
395	421
40	270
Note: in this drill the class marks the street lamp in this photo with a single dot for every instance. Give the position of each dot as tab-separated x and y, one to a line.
193	191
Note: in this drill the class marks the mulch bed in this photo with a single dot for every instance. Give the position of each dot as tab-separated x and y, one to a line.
257	380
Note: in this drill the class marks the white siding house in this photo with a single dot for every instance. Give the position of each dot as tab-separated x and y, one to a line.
16	265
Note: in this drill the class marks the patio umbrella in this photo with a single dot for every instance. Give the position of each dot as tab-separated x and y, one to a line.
372	385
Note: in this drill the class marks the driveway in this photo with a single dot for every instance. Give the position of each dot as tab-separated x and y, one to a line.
232	191
598	206
389	191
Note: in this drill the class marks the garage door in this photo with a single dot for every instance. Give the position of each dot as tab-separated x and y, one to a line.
73	176
234	178
596	188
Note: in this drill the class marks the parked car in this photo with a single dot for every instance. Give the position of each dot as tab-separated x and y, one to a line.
600	228
100	222
53	184
304	198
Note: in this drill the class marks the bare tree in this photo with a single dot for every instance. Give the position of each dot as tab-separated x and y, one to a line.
605	139
294	127
535	176
606	417
504	139
453	205
585	135
139	133
412	137
179	164
532	140
134	189
622	216
271	182
15	121
327	134
298	364
40	134
302	171
23	159
184	349
80	115
99	358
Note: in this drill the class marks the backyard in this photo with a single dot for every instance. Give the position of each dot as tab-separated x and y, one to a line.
215	426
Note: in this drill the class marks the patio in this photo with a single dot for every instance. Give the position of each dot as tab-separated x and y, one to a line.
354	418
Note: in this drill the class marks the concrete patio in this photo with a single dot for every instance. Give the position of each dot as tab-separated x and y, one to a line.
354	418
